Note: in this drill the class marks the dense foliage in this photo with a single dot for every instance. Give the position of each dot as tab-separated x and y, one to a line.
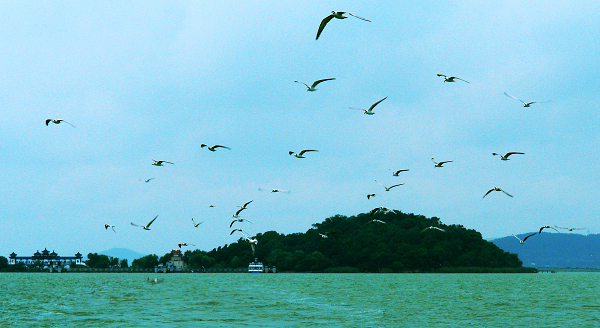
357	244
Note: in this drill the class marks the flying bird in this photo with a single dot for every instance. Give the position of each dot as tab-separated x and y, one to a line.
275	190
58	122
370	110
382	209
496	189
147	226
106	226
378	221
196	224
548	227
439	164
252	241
213	148
570	229
160	163
326	234
526	104
432	227
371	195
388	188
314	85
148	180
301	153
338	15
243	207
185	244
238	220
397	173
524	239
505	157
452	78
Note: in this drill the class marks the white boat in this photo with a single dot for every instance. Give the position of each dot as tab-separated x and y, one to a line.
256	267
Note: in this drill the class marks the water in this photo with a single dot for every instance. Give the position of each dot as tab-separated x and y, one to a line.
298	300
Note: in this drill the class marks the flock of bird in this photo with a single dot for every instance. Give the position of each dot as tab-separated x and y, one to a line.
237	220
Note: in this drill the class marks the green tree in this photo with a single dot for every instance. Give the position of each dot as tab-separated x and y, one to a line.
123	263
97	261
3	263
146	262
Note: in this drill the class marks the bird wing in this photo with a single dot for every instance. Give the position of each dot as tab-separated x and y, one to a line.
374	210
507	194
396	185
234	230
434	162
48	121
517	237
381	184
512	153
305	150
549	227
239	211
487	193
136	225
232	222
322	25
244	206
458	78
533	234
444	162
513	97
218	146
398	172
375	104
358	17
149	223
303	83
442	75
66	122
319	81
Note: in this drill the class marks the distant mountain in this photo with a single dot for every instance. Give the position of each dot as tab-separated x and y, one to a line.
122	253
558	250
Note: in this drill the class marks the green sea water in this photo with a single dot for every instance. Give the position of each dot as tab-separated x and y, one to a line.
299	300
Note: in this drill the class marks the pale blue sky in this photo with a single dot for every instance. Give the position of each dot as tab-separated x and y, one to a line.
153	80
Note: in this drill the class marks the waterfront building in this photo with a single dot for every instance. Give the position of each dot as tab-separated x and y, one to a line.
46	258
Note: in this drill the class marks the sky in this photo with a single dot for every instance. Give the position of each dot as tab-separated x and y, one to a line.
144	80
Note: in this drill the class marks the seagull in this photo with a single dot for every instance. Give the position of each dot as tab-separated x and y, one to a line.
196	224
505	157
252	241
381	208
58	122
160	163
185	244
313	86
452	78
396	173
275	190
243	207
388	188
371	195
147	227
524	239
496	189
570	229
213	148
238	220
378	221
326	234
106	226
526	104
301	153
338	15
148	180
548	227
432	227
439	164
370	110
